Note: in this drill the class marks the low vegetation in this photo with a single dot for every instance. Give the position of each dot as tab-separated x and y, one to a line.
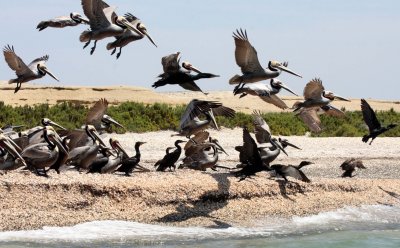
139	117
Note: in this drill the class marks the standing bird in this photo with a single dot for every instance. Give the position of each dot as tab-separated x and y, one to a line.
129	36
247	59
372	122
349	166
170	158
72	20
10	158
110	163
174	74
103	21
131	163
292	171
190	121
266	93
25	73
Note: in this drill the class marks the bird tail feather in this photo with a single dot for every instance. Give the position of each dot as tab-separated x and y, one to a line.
85	36
365	138
12	81
235	79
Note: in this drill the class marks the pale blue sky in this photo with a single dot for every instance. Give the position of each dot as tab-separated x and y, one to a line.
353	46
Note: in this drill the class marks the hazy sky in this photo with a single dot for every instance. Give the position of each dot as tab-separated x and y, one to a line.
352	45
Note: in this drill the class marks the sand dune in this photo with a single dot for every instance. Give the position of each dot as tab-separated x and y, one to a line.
35	94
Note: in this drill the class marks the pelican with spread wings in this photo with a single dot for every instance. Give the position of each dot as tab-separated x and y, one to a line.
74	19
247	59
25	73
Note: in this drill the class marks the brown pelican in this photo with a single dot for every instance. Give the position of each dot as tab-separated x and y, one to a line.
315	95
62	157
170	158
128	36
43	155
349	166
82	154
174	74
191	124
72	20
292	171
131	163
247	59
310	116
266	93
103	21
111	163
10	158
98	118
25	73
372	122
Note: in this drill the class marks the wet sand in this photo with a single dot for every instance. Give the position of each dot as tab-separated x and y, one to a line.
212	199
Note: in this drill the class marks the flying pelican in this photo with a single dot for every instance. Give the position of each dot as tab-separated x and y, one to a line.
350	165
72	20
292	171
98	118
372	122
170	158
310	116
131	163
174	74
247	59
25	73
43	155
266	93
191	124
128	36
315	95
103	21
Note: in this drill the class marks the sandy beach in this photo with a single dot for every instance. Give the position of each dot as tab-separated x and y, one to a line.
35	93
210	199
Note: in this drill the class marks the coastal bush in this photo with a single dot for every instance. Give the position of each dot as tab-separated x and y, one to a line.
139	117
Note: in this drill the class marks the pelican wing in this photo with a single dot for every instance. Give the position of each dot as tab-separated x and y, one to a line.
369	116
170	63
191	86
262	130
275	100
15	62
295	173
59	22
33	65
37	151
196	108
223	111
99	13
250	149
311	119
333	111
193	151
97	112
199	138
313	89
246	54
77	138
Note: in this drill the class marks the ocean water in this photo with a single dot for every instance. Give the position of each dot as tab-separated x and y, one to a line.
366	226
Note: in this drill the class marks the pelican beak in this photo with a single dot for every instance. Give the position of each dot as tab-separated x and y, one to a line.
13	152
284	68
11	142
97	137
213	119
279	146
341	98
111	120
56	139
54	124
50	74
118	145
149	37
288	89
289	144
83	20
220	147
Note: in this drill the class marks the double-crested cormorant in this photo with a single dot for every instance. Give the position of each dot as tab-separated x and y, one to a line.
170	158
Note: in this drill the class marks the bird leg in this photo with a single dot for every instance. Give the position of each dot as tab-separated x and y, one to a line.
371	141
93	48
18	87
115	49
243	95
119	54
87	44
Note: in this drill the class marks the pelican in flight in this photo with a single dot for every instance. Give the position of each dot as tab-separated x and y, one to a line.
129	36
267	94
103	21
190	121
247	59
374	126
72	20
25	73
350	165
175	74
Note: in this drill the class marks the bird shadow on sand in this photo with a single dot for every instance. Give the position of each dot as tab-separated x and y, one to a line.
207	203
392	194
283	185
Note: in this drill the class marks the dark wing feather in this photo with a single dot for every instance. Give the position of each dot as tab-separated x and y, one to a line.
96	113
369	116
245	53
250	149
15	62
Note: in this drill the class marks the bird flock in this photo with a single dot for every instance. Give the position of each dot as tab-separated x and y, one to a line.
50	146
